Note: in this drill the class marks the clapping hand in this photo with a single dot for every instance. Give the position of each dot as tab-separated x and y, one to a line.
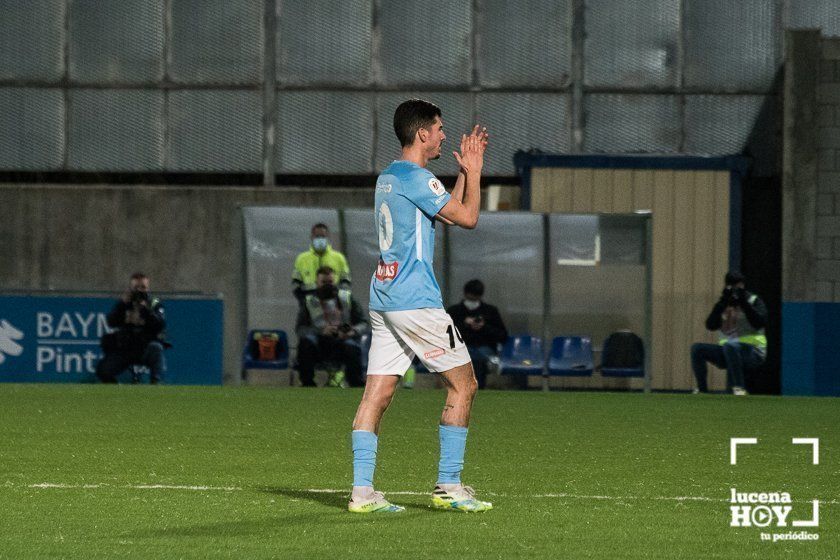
471	158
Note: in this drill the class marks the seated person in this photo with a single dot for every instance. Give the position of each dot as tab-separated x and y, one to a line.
480	325
740	316
329	326
139	338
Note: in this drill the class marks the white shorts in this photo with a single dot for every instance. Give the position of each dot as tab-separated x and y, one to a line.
430	334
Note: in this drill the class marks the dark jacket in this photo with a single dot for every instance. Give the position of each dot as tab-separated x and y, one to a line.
755	312
492	333
133	339
352	315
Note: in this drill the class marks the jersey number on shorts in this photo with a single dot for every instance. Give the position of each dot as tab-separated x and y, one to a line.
449	330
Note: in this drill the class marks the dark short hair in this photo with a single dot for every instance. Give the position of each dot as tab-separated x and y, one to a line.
138	276
474	287
320	225
733	277
326	270
411	116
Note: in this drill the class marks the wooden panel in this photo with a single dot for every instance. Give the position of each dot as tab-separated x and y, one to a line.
622	191
561	194
542	180
642	189
705	209
663	297
602	191
682	274
721	226
582	193
717	381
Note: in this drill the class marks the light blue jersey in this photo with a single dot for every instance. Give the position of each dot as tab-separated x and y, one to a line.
407	199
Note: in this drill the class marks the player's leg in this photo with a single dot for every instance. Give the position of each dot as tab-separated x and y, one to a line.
450	492
387	360
432	335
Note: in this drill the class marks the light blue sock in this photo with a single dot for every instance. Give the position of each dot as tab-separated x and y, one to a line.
364	457
453	441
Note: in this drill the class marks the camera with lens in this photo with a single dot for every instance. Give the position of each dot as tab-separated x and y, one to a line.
139	296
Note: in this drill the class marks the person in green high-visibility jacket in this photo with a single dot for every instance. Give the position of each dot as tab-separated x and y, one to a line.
740	318
320	253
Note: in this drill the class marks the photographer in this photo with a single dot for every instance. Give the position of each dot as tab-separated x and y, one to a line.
329	326
740	316
139	338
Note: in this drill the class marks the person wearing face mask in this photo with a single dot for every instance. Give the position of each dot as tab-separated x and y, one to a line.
320	254
329	326
480	325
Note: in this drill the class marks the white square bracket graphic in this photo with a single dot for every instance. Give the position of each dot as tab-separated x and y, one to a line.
733	447
813	442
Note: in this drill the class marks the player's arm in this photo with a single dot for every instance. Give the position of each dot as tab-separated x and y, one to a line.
465	212
458	190
456	194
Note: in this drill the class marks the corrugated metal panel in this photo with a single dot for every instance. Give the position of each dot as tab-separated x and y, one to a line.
273	238
324	42
325	132
810	14
112	130
522	121
631	123
214	131
632	44
116	40
730	45
31	37
457	111
31	128
509	260
216	41
720	124
524	43
425	43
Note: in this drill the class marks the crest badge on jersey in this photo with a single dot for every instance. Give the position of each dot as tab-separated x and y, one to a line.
436	186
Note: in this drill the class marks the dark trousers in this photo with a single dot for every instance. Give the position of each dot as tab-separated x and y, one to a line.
732	356
113	364
480	356
314	350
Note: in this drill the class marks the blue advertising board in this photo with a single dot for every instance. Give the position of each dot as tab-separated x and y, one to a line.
55	339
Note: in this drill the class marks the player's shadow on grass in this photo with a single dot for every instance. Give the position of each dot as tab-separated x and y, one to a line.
330	499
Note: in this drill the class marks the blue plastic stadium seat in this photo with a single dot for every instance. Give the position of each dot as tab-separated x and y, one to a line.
522	355
571	355
623	355
277	347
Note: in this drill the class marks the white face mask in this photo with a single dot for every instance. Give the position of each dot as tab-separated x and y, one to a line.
319	244
472	305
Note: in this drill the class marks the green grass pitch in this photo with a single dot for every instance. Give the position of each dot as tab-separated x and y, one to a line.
167	472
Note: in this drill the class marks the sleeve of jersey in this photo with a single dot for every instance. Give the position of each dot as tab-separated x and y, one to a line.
427	193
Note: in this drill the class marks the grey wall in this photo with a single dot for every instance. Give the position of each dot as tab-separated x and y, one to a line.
811	179
267	86
185	238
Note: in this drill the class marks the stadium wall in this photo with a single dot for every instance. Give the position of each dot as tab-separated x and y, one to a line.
91	238
811	214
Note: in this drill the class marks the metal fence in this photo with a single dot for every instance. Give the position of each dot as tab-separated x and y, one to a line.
309	86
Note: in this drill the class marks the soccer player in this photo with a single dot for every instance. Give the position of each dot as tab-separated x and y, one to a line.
406	309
